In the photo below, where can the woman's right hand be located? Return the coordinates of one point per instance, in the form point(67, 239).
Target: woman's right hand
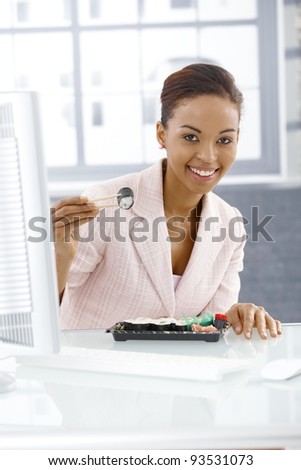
point(67, 216)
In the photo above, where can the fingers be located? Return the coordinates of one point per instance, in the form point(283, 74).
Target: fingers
point(244, 317)
point(75, 207)
point(73, 222)
point(60, 221)
point(76, 200)
point(69, 214)
point(264, 322)
point(274, 326)
point(260, 321)
point(279, 327)
point(73, 227)
point(248, 313)
point(234, 318)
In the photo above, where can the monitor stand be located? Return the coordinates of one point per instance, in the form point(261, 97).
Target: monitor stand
point(7, 383)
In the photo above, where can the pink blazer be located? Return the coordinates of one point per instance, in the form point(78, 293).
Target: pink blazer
point(123, 268)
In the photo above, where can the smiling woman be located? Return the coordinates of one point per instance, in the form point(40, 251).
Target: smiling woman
point(114, 275)
point(203, 133)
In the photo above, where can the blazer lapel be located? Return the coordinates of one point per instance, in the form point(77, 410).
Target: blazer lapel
point(204, 252)
point(154, 251)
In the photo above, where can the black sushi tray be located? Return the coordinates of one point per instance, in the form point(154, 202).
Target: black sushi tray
point(120, 332)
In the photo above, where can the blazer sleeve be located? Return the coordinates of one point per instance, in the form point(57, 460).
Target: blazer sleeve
point(227, 292)
point(93, 238)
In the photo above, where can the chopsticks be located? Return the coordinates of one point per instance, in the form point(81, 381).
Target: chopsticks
point(125, 199)
point(104, 198)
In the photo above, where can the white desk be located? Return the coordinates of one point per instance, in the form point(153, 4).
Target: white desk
point(66, 409)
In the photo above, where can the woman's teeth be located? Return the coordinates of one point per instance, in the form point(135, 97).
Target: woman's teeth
point(202, 172)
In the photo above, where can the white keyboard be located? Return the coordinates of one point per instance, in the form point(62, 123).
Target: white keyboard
point(139, 363)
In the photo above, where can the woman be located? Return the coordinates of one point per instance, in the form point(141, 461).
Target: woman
point(179, 249)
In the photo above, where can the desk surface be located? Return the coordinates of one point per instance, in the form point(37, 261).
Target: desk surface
point(54, 408)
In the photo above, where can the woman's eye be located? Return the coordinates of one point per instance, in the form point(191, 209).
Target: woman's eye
point(191, 138)
point(225, 140)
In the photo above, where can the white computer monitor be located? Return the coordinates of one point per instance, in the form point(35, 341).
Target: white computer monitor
point(28, 284)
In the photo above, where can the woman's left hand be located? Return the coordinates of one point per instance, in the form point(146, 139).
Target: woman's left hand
point(245, 317)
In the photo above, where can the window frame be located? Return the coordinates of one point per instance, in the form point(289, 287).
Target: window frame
point(271, 108)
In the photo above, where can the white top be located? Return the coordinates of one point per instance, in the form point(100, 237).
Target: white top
point(176, 280)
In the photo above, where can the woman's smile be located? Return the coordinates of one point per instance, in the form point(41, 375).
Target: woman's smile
point(202, 174)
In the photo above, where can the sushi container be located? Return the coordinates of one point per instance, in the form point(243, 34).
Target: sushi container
point(163, 329)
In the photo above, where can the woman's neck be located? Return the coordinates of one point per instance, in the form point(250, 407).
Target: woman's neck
point(179, 201)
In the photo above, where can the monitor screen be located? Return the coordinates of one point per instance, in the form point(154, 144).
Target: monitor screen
point(28, 283)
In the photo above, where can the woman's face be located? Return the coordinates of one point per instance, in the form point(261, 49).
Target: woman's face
point(201, 141)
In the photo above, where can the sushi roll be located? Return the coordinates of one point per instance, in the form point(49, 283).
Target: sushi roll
point(161, 324)
point(137, 324)
point(127, 325)
point(125, 198)
point(181, 325)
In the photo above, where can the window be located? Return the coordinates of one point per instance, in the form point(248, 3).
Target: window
point(182, 3)
point(99, 66)
point(95, 8)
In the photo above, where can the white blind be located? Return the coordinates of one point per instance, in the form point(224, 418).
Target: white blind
point(15, 288)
